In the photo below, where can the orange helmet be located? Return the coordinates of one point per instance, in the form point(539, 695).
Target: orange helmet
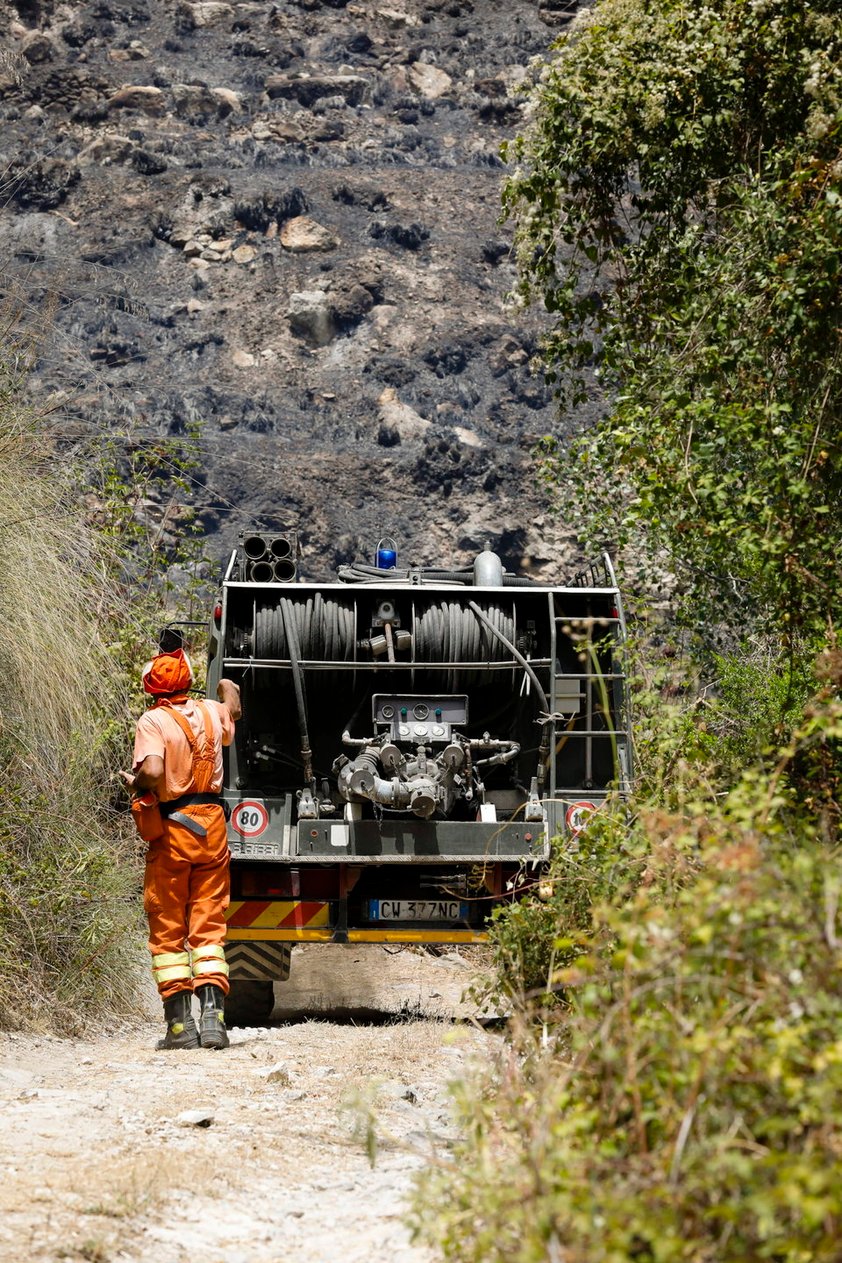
point(167, 673)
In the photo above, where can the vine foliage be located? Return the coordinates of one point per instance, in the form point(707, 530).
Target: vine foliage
point(678, 207)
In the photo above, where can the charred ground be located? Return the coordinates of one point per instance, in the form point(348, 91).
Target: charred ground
point(281, 222)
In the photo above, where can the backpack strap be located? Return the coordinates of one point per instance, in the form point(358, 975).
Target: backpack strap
point(204, 761)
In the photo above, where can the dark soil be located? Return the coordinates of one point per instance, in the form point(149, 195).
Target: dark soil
point(279, 223)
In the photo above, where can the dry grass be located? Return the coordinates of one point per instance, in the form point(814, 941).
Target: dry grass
point(66, 883)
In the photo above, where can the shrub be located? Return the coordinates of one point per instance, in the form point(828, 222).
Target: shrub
point(685, 1103)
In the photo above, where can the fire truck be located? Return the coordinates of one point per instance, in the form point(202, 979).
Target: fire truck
point(413, 744)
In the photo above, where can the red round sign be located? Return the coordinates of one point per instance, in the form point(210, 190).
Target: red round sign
point(249, 818)
point(578, 815)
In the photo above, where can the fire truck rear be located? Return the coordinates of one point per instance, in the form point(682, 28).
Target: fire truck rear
point(412, 743)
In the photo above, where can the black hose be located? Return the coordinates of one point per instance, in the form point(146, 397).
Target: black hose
point(298, 682)
point(514, 651)
point(544, 748)
point(360, 572)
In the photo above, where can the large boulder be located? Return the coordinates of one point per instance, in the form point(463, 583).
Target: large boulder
point(37, 47)
point(303, 235)
point(204, 13)
point(193, 100)
point(145, 98)
point(397, 422)
point(310, 316)
point(429, 81)
point(307, 89)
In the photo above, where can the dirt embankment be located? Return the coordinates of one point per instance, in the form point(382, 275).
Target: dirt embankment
point(114, 1152)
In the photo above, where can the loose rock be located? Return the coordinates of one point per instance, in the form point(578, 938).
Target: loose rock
point(310, 316)
point(279, 1073)
point(195, 1118)
point(146, 98)
point(302, 235)
point(429, 81)
point(244, 254)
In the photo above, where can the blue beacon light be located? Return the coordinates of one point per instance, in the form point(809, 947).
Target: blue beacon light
point(386, 554)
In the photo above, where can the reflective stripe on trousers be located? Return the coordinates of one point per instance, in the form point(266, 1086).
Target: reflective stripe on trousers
point(208, 960)
point(171, 966)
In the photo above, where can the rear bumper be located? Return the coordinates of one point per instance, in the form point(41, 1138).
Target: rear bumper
point(335, 935)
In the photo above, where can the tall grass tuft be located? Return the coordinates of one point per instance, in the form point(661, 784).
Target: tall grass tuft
point(68, 903)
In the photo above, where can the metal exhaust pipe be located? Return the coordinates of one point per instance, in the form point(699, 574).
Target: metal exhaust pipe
point(254, 547)
point(284, 570)
point(280, 548)
point(261, 572)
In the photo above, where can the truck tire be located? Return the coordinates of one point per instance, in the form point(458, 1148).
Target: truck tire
point(249, 1002)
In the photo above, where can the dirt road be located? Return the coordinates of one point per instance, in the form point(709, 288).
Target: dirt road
point(105, 1157)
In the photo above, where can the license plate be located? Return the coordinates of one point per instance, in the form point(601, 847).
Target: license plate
point(417, 910)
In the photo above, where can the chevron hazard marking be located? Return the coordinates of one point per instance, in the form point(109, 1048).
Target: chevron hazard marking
point(254, 914)
point(258, 960)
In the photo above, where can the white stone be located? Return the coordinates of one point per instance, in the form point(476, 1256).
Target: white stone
point(397, 17)
point(143, 97)
point(303, 235)
point(209, 12)
point(195, 1118)
point(227, 97)
point(399, 416)
point(429, 81)
point(243, 359)
point(244, 254)
point(467, 436)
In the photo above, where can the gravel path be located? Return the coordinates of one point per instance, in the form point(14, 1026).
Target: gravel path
point(102, 1162)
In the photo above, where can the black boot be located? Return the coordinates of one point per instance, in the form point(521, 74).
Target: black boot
point(212, 1032)
point(181, 1029)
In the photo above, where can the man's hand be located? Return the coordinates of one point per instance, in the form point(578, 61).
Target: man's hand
point(229, 694)
point(146, 777)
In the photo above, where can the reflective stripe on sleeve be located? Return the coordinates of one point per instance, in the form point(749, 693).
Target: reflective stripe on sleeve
point(213, 951)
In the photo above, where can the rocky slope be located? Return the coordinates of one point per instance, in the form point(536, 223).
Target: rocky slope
point(280, 221)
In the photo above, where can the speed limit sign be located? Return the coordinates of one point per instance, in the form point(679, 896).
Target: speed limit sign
point(250, 818)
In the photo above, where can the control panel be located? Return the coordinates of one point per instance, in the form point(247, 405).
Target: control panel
point(415, 718)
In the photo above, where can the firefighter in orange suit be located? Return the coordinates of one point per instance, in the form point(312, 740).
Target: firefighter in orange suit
point(178, 756)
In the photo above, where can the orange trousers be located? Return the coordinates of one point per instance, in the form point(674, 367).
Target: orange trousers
point(186, 892)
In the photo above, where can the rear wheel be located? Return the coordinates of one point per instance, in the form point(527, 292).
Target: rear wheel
point(249, 1002)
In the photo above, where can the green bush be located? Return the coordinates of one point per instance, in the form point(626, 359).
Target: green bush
point(685, 1104)
point(532, 938)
